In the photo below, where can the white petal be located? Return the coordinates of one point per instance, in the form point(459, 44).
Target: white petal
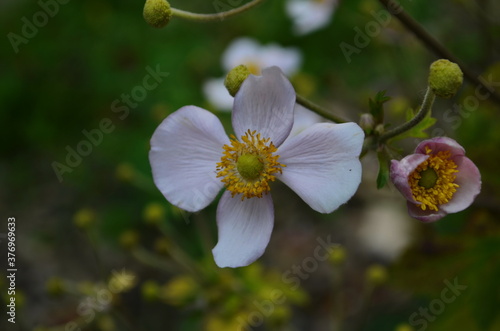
point(217, 94)
point(265, 104)
point(184, 151)
point(244, 229)
point(304, 118)
point(322, 164)
point(241, 51)
point(288, 59)
point(310, 15)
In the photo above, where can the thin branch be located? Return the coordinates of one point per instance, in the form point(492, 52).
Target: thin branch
point(395, 9)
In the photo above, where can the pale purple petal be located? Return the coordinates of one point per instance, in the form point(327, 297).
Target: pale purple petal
point(217, 94)
point(303, 119)
point(244, 229)
point(265, 104)
point(184, 151)
point(469, 181)
point(322, 164)
point(401, 170)
point(425, 216)
point(440, 144)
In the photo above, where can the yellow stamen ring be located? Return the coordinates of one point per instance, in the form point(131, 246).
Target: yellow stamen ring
point(433, 182)
point(247, 166)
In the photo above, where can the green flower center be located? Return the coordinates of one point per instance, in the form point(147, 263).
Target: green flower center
point(249, 166)
point(428, 178)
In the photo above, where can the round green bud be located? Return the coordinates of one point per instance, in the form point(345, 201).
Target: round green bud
point(235, 78)
point(157, 13)
point(445, 78)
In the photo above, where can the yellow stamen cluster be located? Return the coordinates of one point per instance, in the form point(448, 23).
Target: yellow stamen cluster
point(441, 189)
point(241, 183)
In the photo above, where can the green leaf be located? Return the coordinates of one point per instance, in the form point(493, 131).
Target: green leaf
point(377, 106)
point(418, 131)
point(383, 172)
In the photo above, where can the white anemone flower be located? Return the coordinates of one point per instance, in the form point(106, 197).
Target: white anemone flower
point(310, 15)
point(256, 57)
point(192, 159)
point(304, 118)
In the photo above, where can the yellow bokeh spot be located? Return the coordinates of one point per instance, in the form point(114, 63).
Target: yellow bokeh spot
point(376, 274)
point(179, 290)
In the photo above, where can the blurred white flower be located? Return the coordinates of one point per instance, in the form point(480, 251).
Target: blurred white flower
point(304, 118)
point(386, 230)
point(256, 57)
point(310, 15)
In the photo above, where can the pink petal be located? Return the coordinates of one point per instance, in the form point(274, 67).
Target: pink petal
point(401, 170)
point(265, 104)
point(322, 164)
point(440, 144)
point(184, 151)
point(425, 216)
point(469, 181)
point(244, 229)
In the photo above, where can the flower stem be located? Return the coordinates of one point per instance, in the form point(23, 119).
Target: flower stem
point(397, 10)
point(214, 17)
point(319, 110)
point(422, 112)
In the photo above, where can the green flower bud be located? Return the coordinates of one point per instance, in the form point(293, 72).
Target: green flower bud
point(157, 13)
point(445, 78)
point(235, 78)
point(379, 129)
point(367, 122)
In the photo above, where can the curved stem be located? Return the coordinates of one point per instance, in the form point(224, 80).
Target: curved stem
point(397, 10)
point(422, 112)
point(319, 110)
point(214, 17)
